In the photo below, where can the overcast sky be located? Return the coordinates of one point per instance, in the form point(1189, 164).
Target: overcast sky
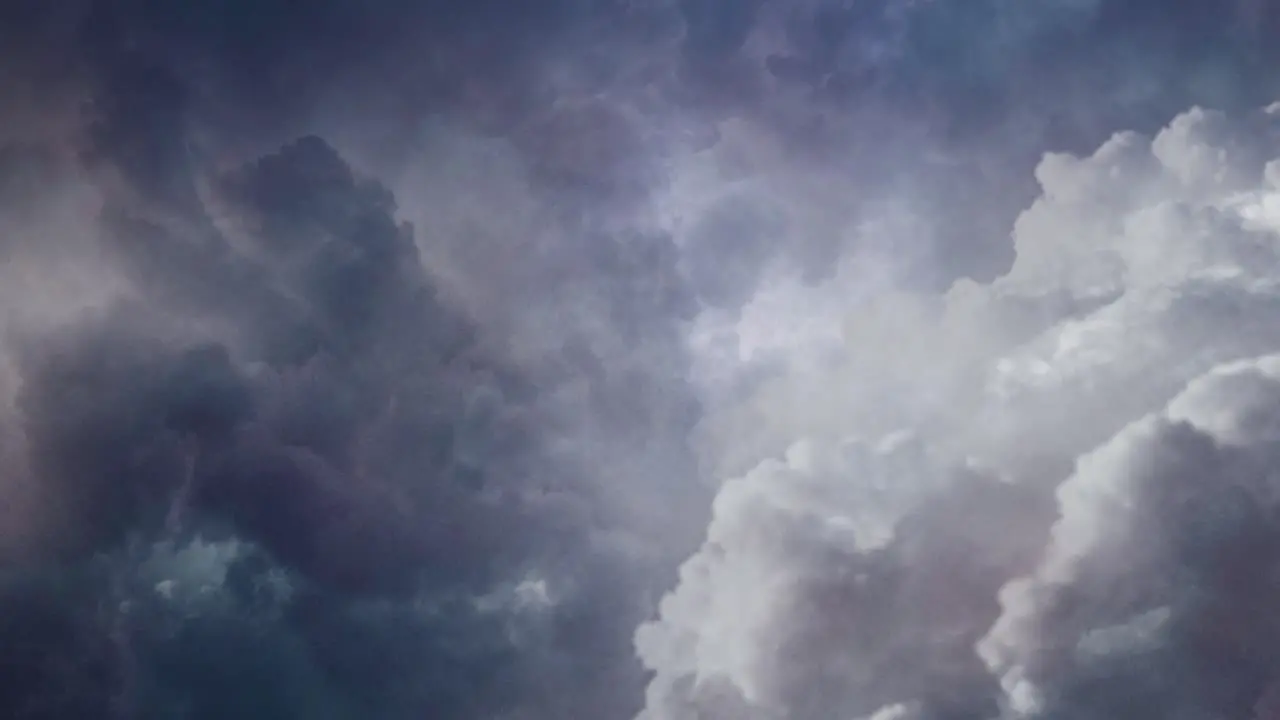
point(638, 359)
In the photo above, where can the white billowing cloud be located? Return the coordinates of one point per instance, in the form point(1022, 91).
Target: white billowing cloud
point(780, 528)
point(1120, 377)
point(1163, 532)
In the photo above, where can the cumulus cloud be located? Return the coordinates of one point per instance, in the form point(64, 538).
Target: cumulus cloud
point(1149, 593)
point(383, 361)
point(1118, 376)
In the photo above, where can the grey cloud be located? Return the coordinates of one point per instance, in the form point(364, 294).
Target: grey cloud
point(416, 425)
point(285, 370)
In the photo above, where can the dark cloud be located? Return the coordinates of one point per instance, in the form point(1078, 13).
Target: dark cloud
point(445, 470)
point(285, 371)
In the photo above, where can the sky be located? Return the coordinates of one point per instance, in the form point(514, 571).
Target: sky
point(639, 360)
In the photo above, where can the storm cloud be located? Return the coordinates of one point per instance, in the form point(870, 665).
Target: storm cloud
point(599, 359)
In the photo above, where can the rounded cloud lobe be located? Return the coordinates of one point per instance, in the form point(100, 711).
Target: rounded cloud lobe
point(591, 361)
point(1119, 377)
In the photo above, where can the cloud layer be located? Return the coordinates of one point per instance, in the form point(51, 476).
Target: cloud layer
point(398, 361)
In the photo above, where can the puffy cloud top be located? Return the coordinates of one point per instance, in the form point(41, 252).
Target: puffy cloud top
point(384, 360)
point(1120, 376)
